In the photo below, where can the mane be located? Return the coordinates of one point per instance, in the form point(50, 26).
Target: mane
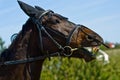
point(27, 23)
point(8, 54)
point(20, 35)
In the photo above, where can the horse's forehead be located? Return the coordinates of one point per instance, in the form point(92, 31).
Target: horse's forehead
point(56, 16)
point(56, 22)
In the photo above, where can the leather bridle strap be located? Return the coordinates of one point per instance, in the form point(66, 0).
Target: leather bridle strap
point(41, 29)
point(93, 37)
point(27, 60)
point(68, 40)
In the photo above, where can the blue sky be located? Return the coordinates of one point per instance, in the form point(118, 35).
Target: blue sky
point(102, 16)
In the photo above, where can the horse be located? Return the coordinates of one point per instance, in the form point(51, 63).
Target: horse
point(16, 51)
point(54, 35)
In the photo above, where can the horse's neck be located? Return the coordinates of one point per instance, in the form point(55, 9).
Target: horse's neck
point(20, 44)
point(15, 72)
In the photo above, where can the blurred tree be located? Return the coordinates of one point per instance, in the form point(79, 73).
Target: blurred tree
point(2, 47)
point(117, 45)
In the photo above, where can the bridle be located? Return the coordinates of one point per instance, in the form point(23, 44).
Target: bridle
point(66, 50)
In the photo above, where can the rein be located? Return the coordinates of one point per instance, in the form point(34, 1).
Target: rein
point(27, 60)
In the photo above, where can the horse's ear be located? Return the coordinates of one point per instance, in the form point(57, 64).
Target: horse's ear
point(39, 8)
point(29, 10)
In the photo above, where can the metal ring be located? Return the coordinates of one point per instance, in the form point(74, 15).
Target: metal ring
point(67, 49)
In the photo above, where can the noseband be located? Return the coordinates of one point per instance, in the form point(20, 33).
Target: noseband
point(66, 50)
point(94, 38)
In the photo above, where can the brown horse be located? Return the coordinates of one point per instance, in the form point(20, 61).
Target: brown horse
point(53, 33)
point(17, 51)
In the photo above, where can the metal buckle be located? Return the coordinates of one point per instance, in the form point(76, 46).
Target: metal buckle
point(68, 51)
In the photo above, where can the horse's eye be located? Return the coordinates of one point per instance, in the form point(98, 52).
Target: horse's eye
point(89, 38)
point(55, 21)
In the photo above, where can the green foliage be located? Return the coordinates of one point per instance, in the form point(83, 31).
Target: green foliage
point(77, 69)
point(2, 47)
point(117, 45)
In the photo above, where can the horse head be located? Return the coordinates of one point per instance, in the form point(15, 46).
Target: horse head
point(51, 31)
